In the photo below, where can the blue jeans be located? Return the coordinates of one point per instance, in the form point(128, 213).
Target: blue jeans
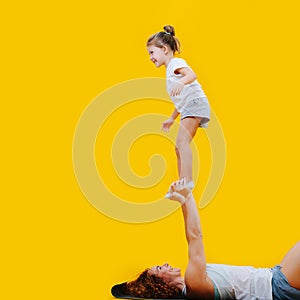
point(281, 288)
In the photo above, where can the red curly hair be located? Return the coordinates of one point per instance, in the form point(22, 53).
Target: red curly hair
point(150, 286)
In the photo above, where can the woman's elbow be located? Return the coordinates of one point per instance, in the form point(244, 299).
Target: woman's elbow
point(195, 235)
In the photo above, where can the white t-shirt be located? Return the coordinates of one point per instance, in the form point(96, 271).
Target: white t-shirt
point(189, 92)
point(241, 282)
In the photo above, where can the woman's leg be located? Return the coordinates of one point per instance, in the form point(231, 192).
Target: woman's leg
point(291, 266)
point(186, 132)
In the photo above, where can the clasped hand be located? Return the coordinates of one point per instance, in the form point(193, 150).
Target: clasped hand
point(179, 191)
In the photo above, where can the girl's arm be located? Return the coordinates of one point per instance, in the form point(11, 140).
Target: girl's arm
point(197, 282)
point(188, 77)
point(168, 123)
point(174, 115)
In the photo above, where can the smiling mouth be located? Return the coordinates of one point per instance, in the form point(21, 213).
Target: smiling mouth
point(174, 269)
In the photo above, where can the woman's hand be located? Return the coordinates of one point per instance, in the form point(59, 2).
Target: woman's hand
point(179, 191)
point(167, 124)
point(176, 89)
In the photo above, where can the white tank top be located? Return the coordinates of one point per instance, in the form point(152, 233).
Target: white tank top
point(239, 282)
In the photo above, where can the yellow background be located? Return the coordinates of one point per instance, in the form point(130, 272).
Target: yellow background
point(57, 56)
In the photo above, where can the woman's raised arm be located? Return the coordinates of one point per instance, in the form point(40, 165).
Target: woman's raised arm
point(196, 280)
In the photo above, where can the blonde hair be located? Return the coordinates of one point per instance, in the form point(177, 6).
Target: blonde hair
point(165, 38)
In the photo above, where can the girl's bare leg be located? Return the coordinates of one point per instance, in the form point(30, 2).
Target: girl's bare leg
point(187, 130)
point(291, 266)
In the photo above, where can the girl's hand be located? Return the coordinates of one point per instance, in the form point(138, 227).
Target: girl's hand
point(179, 191)
point(176, 89)
point(167, 124)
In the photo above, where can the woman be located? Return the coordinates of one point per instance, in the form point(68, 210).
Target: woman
point(212, 281)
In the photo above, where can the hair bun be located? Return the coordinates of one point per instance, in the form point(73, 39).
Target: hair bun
point(169, 29)
point(165, 38)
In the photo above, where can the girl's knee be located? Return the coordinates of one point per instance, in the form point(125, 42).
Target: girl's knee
point(181, 143)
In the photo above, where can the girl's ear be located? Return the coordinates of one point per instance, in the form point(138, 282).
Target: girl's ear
point(166, 49)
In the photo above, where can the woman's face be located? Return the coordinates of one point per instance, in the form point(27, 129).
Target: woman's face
point(166, 272)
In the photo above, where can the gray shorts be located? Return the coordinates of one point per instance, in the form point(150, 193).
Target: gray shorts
point(281, 288)
point(198, 107)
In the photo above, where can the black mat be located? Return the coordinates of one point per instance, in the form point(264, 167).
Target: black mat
point(117, 292)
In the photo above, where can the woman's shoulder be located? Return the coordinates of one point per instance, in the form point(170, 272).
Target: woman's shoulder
point(203, 291)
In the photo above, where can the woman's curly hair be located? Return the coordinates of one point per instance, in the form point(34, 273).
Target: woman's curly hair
point(150, 286)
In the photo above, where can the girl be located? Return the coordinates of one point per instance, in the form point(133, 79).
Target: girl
point(186, 93)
